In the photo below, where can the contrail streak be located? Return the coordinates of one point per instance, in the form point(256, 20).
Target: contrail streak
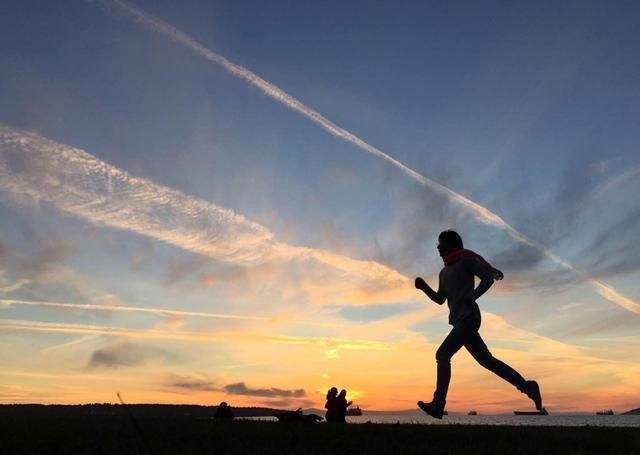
point(83, 376)
point(482, 214)
point(53, 327)
point(156, 311)
point(131, 309)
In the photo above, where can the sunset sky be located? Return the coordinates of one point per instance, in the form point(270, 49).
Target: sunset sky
point(213, 200)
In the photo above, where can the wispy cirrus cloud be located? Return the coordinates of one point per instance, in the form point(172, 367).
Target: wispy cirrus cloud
point(616, 181)
point(34, 169)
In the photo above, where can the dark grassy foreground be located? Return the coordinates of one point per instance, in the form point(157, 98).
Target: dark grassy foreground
point(177, 435)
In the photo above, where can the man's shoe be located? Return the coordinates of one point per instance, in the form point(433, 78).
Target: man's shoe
point(432, 409)
point(533, 392)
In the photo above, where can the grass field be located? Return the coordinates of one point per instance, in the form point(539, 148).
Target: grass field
point(185, 435)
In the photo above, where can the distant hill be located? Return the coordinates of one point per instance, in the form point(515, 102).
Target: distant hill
point(633, 412)
point(146, 410)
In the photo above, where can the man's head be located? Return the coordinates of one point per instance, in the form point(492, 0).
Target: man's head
point(448, 240)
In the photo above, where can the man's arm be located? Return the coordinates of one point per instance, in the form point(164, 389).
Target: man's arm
point(437, 296)
point(486, 279)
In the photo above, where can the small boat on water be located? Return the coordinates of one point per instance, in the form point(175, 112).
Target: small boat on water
point(472, 413)
point(541, 412)
point(354, 411)
point(605, 413)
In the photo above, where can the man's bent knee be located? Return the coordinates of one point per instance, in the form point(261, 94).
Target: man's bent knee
point(443, 356)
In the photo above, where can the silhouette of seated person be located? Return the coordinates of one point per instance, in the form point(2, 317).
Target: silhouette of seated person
point(224, 411)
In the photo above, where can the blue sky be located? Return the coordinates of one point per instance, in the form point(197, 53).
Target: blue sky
point(528, 109)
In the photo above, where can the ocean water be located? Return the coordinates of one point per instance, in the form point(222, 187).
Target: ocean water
point(563, 420)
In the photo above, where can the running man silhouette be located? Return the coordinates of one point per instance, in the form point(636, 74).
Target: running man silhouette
point(457, 287)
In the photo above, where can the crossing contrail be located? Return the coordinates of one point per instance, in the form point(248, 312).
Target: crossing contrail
point(482, 214)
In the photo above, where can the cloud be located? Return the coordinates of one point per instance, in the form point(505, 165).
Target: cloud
point(36, 170)
point(615, 250)
point(40, 270)
point(598, 329)
point(417, 217)
point(558, 366)
point(519, 258)
point(190, 384)
point(614, 182)
point(7, 287)
point(240, 388)
point(194, 336)
point(123, 353)
point(179, 269)
point(171, 319)
point(118, 354)
point(479, 212)
point(40, 267)
point(580, 187)
point(78, 341)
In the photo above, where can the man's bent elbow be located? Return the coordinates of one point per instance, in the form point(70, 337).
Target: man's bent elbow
point(488, 282)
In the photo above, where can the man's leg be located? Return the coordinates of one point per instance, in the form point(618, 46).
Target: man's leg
point(458, 337)
point(478, 349)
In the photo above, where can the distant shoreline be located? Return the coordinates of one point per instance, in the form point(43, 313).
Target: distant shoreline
point(241, 411)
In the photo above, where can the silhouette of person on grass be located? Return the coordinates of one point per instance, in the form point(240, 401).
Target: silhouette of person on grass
point(456, 286)
point(330, 405)
point(336, 405)
point(223, 411)
point(341, 406)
